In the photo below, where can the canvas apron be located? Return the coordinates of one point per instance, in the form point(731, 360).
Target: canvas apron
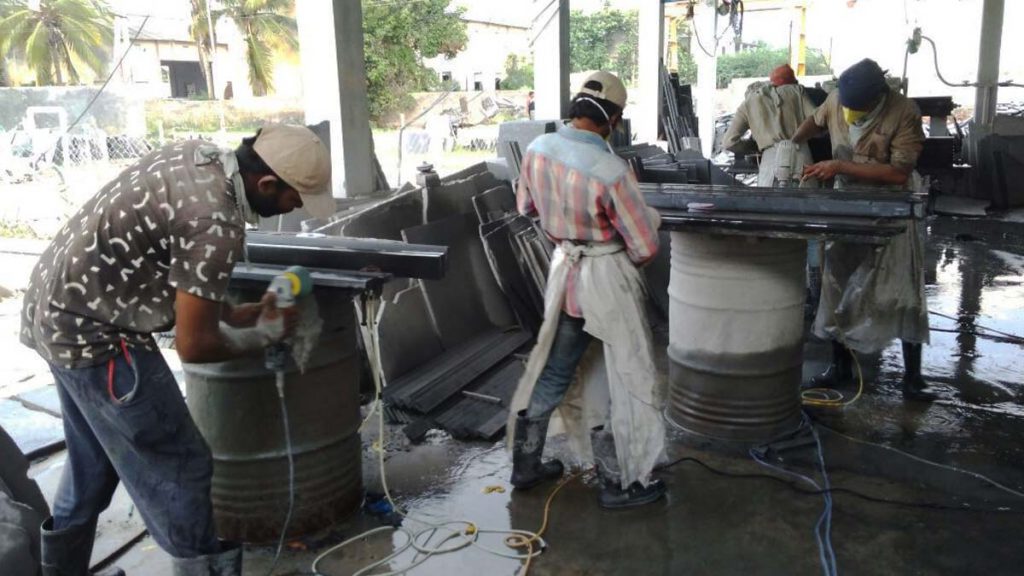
point(612, 299)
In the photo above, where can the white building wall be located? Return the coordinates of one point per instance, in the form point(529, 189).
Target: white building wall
point(483, 59)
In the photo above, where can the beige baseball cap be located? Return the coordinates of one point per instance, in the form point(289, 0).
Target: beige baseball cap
point(612, 89)
point(298, 156)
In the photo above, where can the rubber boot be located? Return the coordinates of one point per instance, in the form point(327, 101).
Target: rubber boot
point(227, 562)
point(914, 385)
point(527, 468)
point(67, 552)
point(612, 496)
point(838, 372)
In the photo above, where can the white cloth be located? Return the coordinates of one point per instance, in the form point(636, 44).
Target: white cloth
point(612, 298)
point(787, 154)
point(228, 160)
point(873, 294)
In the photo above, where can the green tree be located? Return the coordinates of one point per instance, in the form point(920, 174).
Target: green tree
point(604, 40)
point(518, 72)
point(685, 63)
point(57, 37)
point(397, 37)
point(268, 27)
point(200, 31)
point(759, 60)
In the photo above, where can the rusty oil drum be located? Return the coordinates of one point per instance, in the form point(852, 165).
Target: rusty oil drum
point(236, 407)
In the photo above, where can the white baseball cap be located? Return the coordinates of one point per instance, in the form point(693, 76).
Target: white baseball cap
point(298, 156)
point(611, 88)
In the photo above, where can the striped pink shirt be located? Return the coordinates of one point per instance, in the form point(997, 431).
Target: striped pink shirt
point(582, 192)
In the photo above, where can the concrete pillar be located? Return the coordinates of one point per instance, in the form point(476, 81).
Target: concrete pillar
point(550, 32)
point(707, 77)
point(651, 33)
point(988, 64)
point(334, 88)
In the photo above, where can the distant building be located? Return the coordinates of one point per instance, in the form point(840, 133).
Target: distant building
point(164, 61)
point(495, 31)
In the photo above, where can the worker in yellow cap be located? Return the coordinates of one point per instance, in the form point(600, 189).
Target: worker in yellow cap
point(871, 295)
point(151, 251)
point(772, 113)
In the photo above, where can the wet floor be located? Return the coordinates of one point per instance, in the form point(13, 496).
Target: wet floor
point(716, 524)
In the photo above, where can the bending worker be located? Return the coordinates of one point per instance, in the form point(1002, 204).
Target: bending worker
point(772, 114)
point(589, 203)
point(871, 295)
point(151, 251)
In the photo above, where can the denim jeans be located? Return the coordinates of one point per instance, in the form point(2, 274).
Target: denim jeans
point(554, 380)
point(135, 429)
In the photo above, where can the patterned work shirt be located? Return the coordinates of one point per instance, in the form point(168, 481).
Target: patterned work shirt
point(169, 222)
point(584, 193)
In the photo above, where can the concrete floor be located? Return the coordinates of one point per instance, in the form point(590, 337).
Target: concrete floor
point(711, 524)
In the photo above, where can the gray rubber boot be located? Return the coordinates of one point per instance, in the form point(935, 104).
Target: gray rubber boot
point(612, 495)
point(67, 552)
point(227, 562)
point(528, 470)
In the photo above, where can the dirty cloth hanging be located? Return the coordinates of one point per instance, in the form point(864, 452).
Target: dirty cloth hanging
point(871, 295)
point(612, 298)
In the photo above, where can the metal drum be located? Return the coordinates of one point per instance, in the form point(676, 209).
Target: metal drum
point(236, 407)
point(736, 334)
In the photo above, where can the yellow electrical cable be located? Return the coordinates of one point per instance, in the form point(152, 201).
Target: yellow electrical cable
point(837, 401)
point(519, 541)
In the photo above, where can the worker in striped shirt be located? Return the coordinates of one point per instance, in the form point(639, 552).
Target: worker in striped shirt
point(588, 202)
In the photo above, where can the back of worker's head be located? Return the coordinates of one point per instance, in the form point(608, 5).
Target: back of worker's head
point(862, 85)
point(601, 98)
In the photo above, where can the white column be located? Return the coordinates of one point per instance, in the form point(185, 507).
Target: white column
point(550, 32)
point(651, 32)
point(707, 77)
point(988, 64)
point(334, 88)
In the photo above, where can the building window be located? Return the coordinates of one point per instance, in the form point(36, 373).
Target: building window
point(165, 74)
point(446, 76)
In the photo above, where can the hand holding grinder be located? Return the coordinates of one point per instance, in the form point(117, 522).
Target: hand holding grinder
point(286, 287)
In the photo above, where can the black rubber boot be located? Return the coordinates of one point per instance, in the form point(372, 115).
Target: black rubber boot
point(67, 552)
point(612, 496)
point(914, 385)
point(527, 468)
point(227, 562)
point(838, 372)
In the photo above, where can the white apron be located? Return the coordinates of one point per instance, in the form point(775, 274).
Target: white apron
point(612, 299)
point(784, 153)
point(871, 295)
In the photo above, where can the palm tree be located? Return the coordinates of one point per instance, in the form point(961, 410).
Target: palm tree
point(200, 31)
point(57, 37)
point(268, 26)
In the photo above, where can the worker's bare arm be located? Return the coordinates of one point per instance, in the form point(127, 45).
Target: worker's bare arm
point(872, 173)
point(241, 315)
point(809, 129)
point(202, 336)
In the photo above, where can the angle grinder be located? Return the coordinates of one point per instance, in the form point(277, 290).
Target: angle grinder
point(294, 282)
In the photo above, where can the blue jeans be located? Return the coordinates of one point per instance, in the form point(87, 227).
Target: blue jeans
point(566, 351)
point(135, 429)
